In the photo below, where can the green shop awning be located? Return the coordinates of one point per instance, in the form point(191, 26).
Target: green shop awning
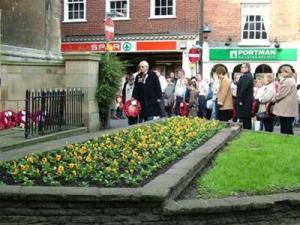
point(253, 54)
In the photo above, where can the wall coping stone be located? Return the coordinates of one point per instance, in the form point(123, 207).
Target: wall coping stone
point(81, 56)
point(229, 204)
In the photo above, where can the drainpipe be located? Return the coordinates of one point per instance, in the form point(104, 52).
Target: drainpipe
point(201, 35)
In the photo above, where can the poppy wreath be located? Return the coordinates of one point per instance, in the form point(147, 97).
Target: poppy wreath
point(132, 108)
point(255, 106)
point(8, 119)
point(183, 109)
point(21, 118)
point(269, 109)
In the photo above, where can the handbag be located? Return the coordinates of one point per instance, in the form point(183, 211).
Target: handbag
point(261, 115)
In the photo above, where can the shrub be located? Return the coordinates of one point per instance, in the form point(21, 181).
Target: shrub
point(111, 71)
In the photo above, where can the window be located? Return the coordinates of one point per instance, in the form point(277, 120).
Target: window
point(117, 9)
point(254, 28)
point(74, 10)
point(255, 24)
point(163, 8)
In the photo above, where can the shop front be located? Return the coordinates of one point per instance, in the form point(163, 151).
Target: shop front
point(170, 53)
point(262, 60)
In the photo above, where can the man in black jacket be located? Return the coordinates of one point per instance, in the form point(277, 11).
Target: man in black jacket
point(245, 96)
point(148, 92)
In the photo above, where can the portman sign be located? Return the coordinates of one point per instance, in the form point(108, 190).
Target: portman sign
point(252, 54)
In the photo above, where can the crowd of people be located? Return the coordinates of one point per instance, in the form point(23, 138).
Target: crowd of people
point(243, 99)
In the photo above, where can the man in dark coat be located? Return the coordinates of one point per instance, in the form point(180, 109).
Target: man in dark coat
point(245, 96)
point(148, 92)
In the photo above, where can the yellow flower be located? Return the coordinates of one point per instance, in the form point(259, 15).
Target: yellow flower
point(88, 158)
point(60, 170)
point(57, 157)
point(16, 171)
point(30, 160)
point(71, 165)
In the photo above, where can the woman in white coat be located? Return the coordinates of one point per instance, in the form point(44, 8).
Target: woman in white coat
point(286, 101)
point(267, 93)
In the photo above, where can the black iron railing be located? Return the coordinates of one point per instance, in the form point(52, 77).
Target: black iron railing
point(50, 111)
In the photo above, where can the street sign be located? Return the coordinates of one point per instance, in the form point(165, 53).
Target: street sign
point(109, 29)
point(194, 55)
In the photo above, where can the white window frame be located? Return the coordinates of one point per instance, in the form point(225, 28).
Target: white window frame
point(107, 10)
point(66, 13)
point(253, 7)
point(152, 11)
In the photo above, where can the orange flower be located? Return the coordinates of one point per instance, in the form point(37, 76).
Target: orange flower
point(82, 150)
point(57, 157)
point(24, 167)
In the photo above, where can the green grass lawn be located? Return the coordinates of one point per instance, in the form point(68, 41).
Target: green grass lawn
point(254, 163)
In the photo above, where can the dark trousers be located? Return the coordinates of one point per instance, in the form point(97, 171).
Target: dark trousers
point(132, 120)
point(247, 123)
point(208, 114)
point(224, 115)
point(202, 106)
point(286, 125)
point(268, 124)
point(162, 112)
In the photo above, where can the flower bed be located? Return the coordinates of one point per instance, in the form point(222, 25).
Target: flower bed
point(124, 158)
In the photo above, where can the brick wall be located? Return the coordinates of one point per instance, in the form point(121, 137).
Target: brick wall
point(187, 13)
point(224, 17)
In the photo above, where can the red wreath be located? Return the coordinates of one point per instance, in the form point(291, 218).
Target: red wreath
point(132, 108)
point(269, 109)
point(183, 109)
point(255, 106)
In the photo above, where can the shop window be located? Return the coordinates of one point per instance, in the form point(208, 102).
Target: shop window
point(74, 10)
point(117, 9)
point(255, 24)
point(163, 9)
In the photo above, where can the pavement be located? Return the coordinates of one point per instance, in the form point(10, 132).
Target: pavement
point(17, 134)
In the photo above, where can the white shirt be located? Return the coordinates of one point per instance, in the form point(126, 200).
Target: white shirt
point(180, 87)
point(203, 88)
point(163, 83)
point(128, 91)
point(298, 93)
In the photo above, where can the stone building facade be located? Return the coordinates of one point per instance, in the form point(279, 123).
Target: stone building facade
point(31, 57)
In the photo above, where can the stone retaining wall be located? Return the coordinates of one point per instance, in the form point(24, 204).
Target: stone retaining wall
point(152, 204)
